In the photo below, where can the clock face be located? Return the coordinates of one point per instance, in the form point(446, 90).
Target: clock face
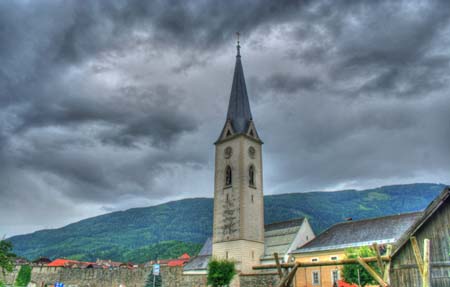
point(228, 152)
point(251, 152)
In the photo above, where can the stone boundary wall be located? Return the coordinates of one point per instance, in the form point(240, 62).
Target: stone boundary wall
point(259, 280)
point(171, 277)
point(76, 277)
point(174, 277)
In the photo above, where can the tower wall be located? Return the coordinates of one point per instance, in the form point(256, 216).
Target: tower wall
point(238, 231)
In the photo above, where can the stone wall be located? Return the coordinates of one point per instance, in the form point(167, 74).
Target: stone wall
point(174, 277)
point(259, 280)
point(75, 277)
point(171, 277)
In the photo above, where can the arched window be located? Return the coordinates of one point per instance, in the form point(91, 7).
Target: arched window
point(228, 177)
point(251, 175)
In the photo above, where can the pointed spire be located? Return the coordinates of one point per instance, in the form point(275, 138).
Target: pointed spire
point(239, 107)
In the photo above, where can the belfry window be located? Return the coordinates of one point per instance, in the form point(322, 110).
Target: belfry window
point(228, 176)
point(251, 175)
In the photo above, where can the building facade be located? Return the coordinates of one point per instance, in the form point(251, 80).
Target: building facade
point(332, 245)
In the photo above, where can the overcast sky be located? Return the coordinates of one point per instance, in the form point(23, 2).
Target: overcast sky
point(108, 105)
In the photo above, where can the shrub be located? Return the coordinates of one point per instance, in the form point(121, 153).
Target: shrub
point(220, 272)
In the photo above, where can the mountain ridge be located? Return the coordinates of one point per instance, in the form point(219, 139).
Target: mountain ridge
point(161, 230)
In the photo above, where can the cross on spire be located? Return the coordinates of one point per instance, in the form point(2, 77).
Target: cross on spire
point(238, 46)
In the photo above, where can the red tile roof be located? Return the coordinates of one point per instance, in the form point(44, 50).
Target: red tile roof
point(62, 262)
point(183, 259)
point(176, 262)
point(185, 256)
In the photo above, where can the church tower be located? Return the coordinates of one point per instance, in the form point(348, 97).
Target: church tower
point(238, 232)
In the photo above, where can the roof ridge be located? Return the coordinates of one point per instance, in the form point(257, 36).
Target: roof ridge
point(285, 221)
point(376, 218)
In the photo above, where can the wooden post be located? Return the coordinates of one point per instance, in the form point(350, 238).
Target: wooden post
point(426, 278)
point(372, 272)
point(288, 278)
point(277, 262)
point(387, 266)
point(379, 261)
point(423, 264)
point(416, 250)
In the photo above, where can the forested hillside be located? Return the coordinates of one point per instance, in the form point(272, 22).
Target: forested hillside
point(167, 230)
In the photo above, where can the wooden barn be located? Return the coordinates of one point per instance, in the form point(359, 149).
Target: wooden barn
point(409, 267)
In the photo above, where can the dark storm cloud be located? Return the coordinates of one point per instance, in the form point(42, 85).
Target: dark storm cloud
point(283, 84)
point(106, 105)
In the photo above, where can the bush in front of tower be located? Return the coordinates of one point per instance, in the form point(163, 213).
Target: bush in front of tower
point(221, 272)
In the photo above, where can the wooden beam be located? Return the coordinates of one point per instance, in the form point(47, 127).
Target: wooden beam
point(322, 263)
point(372, 272)
point(379, 261)
point(387, 266)
point(426, 278)
point(277, 262)
point(291, 276)
point(288, 278)
point(416, 250)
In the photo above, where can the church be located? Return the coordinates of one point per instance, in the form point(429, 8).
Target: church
point(239, 233)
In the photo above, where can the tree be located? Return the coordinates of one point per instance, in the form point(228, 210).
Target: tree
point(6, 256)
point(157, 280)
point(350, 271)
point(220, 272)
point(24, 276)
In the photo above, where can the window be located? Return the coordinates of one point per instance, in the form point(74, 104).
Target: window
point(334, 276)
point(228, 199)
point(226, 254)
point(228, 178)
point(315, 278)
point(251, 175)
point(334, 257)
point(315, 259)
point(252, 198)
point(253, 254)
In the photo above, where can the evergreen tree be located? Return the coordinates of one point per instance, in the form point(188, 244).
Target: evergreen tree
point(157, 280)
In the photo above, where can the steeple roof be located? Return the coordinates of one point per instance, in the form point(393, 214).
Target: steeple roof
point(239, 117)
point(239, 113)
